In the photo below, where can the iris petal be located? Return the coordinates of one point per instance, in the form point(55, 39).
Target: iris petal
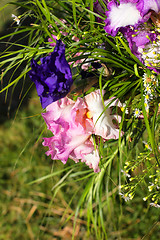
point(53, 78)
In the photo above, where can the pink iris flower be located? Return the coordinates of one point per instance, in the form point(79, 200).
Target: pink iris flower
point(73, 123)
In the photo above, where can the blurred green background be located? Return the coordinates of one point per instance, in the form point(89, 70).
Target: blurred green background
point(34, 211)
point(6, 14)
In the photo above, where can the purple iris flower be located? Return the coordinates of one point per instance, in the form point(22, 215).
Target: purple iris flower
point(128, 13)
point(53, 78)
point(129, 17)
point(138, 39)
point(151, 5)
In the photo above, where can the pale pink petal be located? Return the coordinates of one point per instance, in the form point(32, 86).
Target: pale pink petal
point(86, 152)
point(112, 102)
point(62, 145)
point(92, 160)
point(102, 118)
point(75, 142)
point(66, 119)
point(54, 111)
point(83, 149)
point(117, 118)
point(49, 142)
point(72, 124)
point(79, 114)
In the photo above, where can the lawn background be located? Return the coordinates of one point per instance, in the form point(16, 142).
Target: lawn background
point(35, 211)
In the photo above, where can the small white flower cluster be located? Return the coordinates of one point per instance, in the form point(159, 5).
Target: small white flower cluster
point(126, 173)
point(152, 185)
point(151, 54)
point(124, 108)
point(136, 113)
point(150, 83)
point(154, 205)
point(125, 197)
point(16, 19)
point(147, 145)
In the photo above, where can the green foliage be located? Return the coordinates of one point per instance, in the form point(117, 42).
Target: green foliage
point(36, 191)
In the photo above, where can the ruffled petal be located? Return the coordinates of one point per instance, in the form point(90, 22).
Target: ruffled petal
point(121, 15)
point(81, 150)
point(79, 114)
point(74, 122)
point(61, 146)
point(58, 114)
point(66, 119)
point(53, 78)
point(102, 118)
point(139, 38)
point(92, 160)
point(151, 5)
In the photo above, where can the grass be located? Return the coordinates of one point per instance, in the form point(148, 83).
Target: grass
point(6, 13)
point(33, 212)
point(23, 207)
point(46, 209)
